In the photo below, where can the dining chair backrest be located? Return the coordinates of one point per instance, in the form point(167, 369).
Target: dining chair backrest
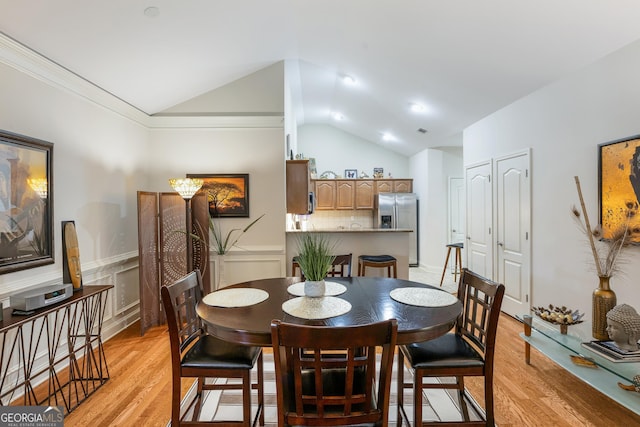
point(180, 300)
point(481, 302)
point(327, 375)
point(341, 267)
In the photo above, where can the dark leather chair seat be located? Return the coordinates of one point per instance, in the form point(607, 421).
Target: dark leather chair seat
point(448, 350)
point(213, 353)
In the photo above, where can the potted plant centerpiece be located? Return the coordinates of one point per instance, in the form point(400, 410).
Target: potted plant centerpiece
point(315, 259)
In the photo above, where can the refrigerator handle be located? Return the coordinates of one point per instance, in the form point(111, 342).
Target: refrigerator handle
point(395, 214)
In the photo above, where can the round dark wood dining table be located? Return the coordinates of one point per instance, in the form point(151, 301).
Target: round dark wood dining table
point(370, 302)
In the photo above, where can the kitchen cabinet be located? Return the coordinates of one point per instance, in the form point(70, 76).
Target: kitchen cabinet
point(325, 190)
point(349, 194)
point(364, 194)
point(402, 186)
point(384, 186)
point(394, 185)
point(298, 186)
point(345, 194)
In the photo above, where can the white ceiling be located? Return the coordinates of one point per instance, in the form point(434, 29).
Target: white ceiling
point(463, 59)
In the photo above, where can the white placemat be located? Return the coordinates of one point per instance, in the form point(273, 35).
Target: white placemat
point(423, 297)
point(236, 297)
point(316, 308)
point(331, 289)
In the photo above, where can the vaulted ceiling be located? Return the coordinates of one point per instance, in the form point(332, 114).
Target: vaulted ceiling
point(460, 59)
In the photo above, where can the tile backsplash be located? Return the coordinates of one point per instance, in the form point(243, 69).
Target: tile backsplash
point(334, 220)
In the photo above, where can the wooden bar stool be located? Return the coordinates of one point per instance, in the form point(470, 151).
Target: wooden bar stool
point(458, 266)
point(377, 261)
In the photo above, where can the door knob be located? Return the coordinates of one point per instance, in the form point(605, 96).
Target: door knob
point(499, 243)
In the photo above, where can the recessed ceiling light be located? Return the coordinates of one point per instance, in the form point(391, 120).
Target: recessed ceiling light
point(348, 80)
point(386, 136)
point(417, 108)
point(152, 11)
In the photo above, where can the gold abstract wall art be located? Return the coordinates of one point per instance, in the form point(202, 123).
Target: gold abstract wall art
point(619, 189)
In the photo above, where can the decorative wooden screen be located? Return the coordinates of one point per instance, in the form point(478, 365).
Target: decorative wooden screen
point(150, 311)
point(162, 244)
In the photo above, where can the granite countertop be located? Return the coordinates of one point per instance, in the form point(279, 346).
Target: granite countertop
point(354, 230)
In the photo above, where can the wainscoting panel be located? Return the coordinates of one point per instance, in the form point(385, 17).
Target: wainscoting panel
point(230, 269)
point(126, 289)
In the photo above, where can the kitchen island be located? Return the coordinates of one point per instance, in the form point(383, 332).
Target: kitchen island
point(362, 241)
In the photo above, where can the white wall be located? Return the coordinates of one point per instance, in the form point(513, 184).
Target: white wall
point(336, 151)
point(258, 152)
point(563, 124)
point(431, 170)
point(99, 161)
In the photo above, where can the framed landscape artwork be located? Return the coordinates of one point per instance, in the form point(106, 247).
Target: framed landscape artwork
point(228, 195)
point(26, 211)
point(619, 186)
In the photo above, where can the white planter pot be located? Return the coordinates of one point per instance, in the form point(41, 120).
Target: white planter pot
point(314, 289)
point(219, 272)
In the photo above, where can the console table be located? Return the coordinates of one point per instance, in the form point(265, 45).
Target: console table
point(547, 339)
point(69, 335)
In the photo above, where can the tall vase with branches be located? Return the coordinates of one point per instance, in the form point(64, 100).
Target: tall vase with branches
point(221, 242)
point(607, 257)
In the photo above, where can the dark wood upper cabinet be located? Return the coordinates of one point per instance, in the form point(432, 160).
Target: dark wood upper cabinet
point(298, 186)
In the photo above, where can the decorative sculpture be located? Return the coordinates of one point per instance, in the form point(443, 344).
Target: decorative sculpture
point(623, 326)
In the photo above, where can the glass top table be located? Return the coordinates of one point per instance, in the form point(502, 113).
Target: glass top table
point(548, 339)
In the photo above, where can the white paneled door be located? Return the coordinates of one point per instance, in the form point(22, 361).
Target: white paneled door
point(512, 234)
point(478, 244)
point(456, 210)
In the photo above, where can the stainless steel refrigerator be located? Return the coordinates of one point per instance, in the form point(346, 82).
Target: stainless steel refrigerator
point(399, 210)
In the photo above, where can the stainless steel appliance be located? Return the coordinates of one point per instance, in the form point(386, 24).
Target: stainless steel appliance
point(399, 210)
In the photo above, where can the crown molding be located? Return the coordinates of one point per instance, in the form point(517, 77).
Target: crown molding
point(208, 121)
point(25, 60)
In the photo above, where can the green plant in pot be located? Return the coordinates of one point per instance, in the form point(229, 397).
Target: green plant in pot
point(315, 257)
point(222, 243)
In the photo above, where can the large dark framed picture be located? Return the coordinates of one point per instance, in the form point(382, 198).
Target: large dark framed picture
point(26, 208)
point(619, 186)
point(228, 195)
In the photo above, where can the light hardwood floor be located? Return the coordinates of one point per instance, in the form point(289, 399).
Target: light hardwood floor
point(543, 394)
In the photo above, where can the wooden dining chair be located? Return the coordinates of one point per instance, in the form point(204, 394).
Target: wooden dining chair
point(326, 376)
point(341, 267)
point(467, 351)
point(196, 354)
